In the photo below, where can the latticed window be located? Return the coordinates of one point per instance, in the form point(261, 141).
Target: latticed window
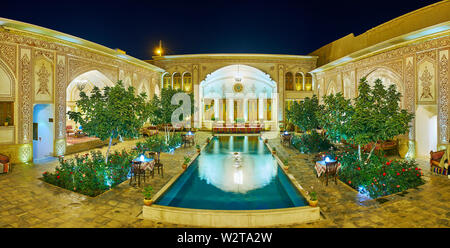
point(289, 81)
point(177, 81)
point(166, 81)
point(187, 82)
point(298, 81)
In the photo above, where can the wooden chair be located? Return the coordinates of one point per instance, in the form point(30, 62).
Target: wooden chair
point(331, 170)
point(137, 171)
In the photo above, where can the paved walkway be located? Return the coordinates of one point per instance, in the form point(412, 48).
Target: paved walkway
point(26, 201)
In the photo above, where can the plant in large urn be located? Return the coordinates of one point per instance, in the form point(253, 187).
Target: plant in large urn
point(148, 195)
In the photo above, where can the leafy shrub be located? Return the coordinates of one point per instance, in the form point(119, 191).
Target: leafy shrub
point(379, 176)
point(90, 175)
point(311, 143)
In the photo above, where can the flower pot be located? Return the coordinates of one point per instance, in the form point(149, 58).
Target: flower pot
point(313, 203)
point(286, 168)
point(6, 124)
point(147, 202)
point(274, 152)
point(184, 166)
point(198, 150)
point(265, 141)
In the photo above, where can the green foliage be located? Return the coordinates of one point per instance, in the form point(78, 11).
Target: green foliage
point(311, 143)
point(90, 175)
point(379, 176)
point(158, 143)
point(335, 116)
point(187, 160)
point(304, 114)
point(147, 192)
point(375, 115)
point(161, 107)
point(112, 113)
point(313, 196)
point(197, 146)
point(8, 119)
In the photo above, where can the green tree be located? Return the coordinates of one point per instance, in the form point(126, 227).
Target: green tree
point(115, 112)
point(304, 114)
point(374, 116)
point(335, 116)
point(161, 109)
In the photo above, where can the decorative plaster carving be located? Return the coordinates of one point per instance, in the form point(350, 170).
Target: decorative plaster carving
point(26, 101)
point(443, 107)
point(60, 98)
point(43, 78)
point(410, 92)
point(8, 55)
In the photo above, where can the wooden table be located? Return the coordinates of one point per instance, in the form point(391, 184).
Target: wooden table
point(141, 165)
point(321, 167)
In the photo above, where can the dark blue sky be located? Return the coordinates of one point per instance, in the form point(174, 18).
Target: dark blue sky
point(185, 27)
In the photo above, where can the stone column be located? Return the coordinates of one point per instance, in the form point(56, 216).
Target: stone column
point(230, 108)
point(216, 108)
point(261, 108)
point(195, 85)
point(245, 110)
point(280, 90)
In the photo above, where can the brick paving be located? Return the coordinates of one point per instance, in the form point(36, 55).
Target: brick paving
point(26, 201)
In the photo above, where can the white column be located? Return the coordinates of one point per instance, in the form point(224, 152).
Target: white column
point(261, 108)
point(216, 109)
point(245, 109)
point(230, 108)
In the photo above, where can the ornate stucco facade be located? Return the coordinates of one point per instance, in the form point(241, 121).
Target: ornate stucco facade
point(416, 62)
point(41, 66)
point(36, 67)
point(207, 66)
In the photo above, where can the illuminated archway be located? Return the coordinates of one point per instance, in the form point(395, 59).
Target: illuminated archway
point(238, 93)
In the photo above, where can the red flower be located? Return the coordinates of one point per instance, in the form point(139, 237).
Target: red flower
point(417, 168)
point(335, 158)
point(398, 186)
point(384, 184)
point(384, 173)
point(70, 173)
point(374, 179)
point(388, 163)
point(57, 177)
point(359, 168)
point(349, 182)
point(418, 175)
point(398, 174)
point(403, 169)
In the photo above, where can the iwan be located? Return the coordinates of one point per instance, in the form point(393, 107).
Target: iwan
point(197, 238)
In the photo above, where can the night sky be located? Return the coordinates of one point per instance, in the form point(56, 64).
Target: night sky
point(189, 27)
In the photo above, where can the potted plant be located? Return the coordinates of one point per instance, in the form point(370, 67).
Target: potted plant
point(286, 166)
point(186, 162)
point(198, 148)
point(274, 150)
point(148, 195)
point(208, 139)
point(266, 140)
point(313, 199)
point(7, 120)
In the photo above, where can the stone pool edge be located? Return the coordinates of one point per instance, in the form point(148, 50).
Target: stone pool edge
point(231, 218)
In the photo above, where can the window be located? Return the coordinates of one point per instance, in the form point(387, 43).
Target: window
point(308, 82)
point(187, 82)
point(177, 81)
point(298, 82)
point(289, 81)
point(7, 110)
point(167, 81)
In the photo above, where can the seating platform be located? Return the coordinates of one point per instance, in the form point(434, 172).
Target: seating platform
point(238, 128)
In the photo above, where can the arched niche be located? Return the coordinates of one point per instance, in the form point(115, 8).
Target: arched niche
point(166, 81)
point(388, 78)
point(187, 82)
point(6, 83)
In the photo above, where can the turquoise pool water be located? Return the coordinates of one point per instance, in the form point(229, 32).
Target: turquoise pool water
point(233, 173)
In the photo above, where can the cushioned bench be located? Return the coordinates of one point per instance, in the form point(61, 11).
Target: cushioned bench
point(435, 160)
point(4, 164)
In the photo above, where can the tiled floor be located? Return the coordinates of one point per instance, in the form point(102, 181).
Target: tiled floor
point(26, 201)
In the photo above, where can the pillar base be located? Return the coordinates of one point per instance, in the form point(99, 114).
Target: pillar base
point(60, 147)
point(411, 154)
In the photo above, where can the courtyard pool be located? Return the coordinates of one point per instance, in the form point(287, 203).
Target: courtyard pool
point(233, 173)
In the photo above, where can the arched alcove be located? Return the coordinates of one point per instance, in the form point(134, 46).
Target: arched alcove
point(388, 78)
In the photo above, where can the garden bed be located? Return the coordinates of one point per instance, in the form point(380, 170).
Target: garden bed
point(90, 175)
